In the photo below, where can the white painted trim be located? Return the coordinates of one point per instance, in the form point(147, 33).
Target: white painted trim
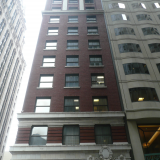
point(54, 144)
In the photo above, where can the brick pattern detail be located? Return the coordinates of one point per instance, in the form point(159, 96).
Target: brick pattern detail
point(23, 135)
point(87, 135)
point(54, 135)
point(119, 134)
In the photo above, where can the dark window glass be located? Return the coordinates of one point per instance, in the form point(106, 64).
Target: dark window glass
point(93, 44)
point(103, 134)
point(70, 135)
point(150, 30)
point(89, 8)
point(73, 8)
point(96, 60)
point(72, 30)
point(91, 19)
point(100, 104)
point(123, 31)
point(135, 68)
point(72, 44)
point(72, 61)
point(38, 136)
point(71, 104)
point(92, 30)
point(129, 47)
point(118, 17)
point(88, 1)
point(158, 66)
point(143, 94)
point(154, 47)
point(73, 19)
point(73, 1)
point(116, 5)
point(97, 80)
point(138, 5)
point(159, 16)
point(56, 8)
point(142, 17)
point(72, 80)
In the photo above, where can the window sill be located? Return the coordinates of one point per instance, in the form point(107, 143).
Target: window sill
point(50, 49)
point(53, 22)
point(72, 49)
point(96, 66)
point(71, 87)
point(72, 34)
point(51, 35)
point(72, 22)
point(72, 66)
point(91, 22)
point(73, 3)
point(46, 67)
point(94, 48)
point(98, 86)
point(88, 3)
point(44, 88)
point(92, 34)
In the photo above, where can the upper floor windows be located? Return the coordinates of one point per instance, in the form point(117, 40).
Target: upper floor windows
point(73, 30)
point(154, 47)
point(158, 66)
point(158, 16)
point(72, 44)
point(92, 30)
point(17, 26)
point(43, 105)
point(135, 68)
point(54, 19)
point(20, 34)
point(91, 19)
point(90, 8)
point(73, 8)
point(73, 19)
point(138, 5)
point(95, 60)
point(156, 5)
point(116, 5)
point(73, 1)
point(11, 6)
point(150, 30)
point(72, 80)
point(93, 44)
point(14, 16)
point(72, 60)
point(2, 25)
point(89, 1)
point(143, 94)
point(123, 31)
point(118, 17)
point(56, 8)
point(51, 44)
point(97, 80)
point(38, 136)
point(53, 31)
point(57, 1)
point(100, 104)
point(129, 47)
point(49, 61)
point(46, 81)
point(71, 104)
point(142, 17)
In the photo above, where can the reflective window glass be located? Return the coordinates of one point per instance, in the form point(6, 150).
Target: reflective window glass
point(142, 17)
point(123, 31)
point(154, 47)
point(100, 104)
point(71, 104)
point(95, 60)
point(150, 30)
point(93, 44)
point(97, 80)
point(72, 61)
point(72, 80)
point(129, 47)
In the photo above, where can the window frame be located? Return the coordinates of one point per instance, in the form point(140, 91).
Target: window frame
point(57, 8)
point(92, 33)
point(96, 56)
point(48, 62)
point(57, 2)
point(91, 16)
point(92, 47)
point(155, 51)
point(73, 41)
point(45, 75)
point(53, 21)
point(72, 81)
point(72, 33)
point(50, 47)
point(100, 97)
point(150, 29)
point(97, 74)
point(73, 2)
point(72, 17)
point(89, 2)
point(146, 15)
point(52, 28)
point(72, 56)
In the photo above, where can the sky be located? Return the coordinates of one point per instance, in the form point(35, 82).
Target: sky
point(33, 16)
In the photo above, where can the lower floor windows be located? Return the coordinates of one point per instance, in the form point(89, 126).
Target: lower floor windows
point(71, 104)
point(72, 80)
point(97, 80)
point(100, 104)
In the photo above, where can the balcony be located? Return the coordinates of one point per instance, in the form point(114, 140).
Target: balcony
point(153, 156)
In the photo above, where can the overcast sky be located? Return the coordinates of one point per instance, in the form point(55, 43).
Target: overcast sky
point(33, 16)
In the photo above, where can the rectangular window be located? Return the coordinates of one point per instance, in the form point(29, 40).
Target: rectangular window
point(49, 61)
point(118, 17)
point(72, 80)
point(90, 8)
point(93, 44)
point(158, 66)
point(70, 135)
point(73, 19)
point(141, 17)
point(117, 5)
point(73, 1)
point(103, 134)
point(51, 44)
point(72, 44)
point(56, 8)
point(72, 30)
point(100, 104)
point(54, 19)
point(91, 19)
point(53, 31)
point(97, 80)
point(72, 60)
point(57, 1)
point(96, 60)
point(73, 8)
point(92, 30)
point(71, 104)
point(123, 31)
point(154, 47)
point(156, 5)
point(38, 136)
point(46, 81)
point(149, 31)
point(88, 1)
point(129, 47)
point(43, 105)
point(138, 5)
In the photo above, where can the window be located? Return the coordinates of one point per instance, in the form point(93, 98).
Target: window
point(72, 44)
point(96, 60)
point(129, 47)
point(73, 8)
point(123, 31)
point(135, 68)
point(143, 94)
point(54, 19)
point(19, 34)
point(103, 134)
point(56, 8)
point(97, 80)
point(38, 136)
point(90, 8)
point(49, 61)
point(2, 25)
point(70, 135)
point(57, 1)
point(46, 81)
point(72, 80)
point(142, 17)
point(150, 30)
point(17, 26)
point(73, 1)
point(51, 44)
point(116, 5)
point(88, 1)
point(118, 17)
point(72, 61)
point(158, 16)
point(158, 66)
point(156, 5)
point(154, 47)
point(138, 5)
point(72, 30)
point(91, 19)
point(73, 19)
point(100, 104)
point(43, 105)
point(53, 31)
point(71, 104)
point(92, 30)
point(93, 44)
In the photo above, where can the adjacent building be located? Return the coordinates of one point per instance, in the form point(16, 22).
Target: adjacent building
point(72, 108)
point(134, 31)
point(12, 64)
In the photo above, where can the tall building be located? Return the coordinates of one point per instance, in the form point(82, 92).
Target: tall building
point(12, 64)
point(134, 31)
point(72, 108)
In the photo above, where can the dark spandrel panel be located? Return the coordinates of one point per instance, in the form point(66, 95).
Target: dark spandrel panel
point(150, 31)
point(154, 47)
point(142, 17)
point(124, 30)
point(39, 131)
point(38, 140)
point(158, 66)
point(129, 47)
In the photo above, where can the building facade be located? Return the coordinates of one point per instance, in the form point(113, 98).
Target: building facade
point(72, 108)
point(12, 64)
point(134, 31)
